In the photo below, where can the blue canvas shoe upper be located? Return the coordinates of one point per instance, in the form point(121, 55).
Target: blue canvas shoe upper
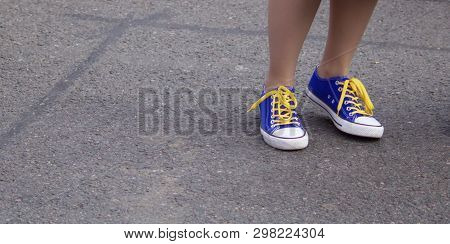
point(347, 97)
point(278, 115)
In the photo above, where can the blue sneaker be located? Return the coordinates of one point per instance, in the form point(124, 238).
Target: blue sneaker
point(347, 103)
point(280, 125)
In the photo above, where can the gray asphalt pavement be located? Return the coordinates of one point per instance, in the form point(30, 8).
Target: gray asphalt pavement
point(73, 75)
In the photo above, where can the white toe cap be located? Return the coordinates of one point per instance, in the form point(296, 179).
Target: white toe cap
point(291, 132)
point(367, 121)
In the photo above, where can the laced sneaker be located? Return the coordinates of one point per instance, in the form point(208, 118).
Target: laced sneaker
point(281, 127)
point(347, 103)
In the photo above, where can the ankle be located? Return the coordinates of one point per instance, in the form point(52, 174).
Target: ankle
point(272, 83)
point(328, 71)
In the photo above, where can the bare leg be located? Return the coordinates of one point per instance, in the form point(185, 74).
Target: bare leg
point(348, 21)
point(289, 23)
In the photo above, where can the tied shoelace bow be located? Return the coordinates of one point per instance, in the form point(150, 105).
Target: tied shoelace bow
point(283, 103)
point(355, 91)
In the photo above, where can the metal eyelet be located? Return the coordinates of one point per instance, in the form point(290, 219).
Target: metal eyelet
point(346, 102)
point(340, 89)
point(271, 122)
point(351, 114)
point(348, 108)
point(336, 82)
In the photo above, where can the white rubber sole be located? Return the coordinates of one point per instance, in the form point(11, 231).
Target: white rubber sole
point(285, 143)
point(345, 126)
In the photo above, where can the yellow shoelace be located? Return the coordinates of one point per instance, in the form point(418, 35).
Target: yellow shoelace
point(355, 90)
point(281, 103)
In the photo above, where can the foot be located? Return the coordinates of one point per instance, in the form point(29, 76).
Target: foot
point(281, 127)
point(347, 103)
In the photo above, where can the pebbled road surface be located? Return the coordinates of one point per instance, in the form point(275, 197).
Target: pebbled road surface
point(77, 79)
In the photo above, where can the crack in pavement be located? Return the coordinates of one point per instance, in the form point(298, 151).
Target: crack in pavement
point(67, 81)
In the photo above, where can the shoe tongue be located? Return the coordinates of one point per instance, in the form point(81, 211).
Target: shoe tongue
point(335, 78)
point(292, 89)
